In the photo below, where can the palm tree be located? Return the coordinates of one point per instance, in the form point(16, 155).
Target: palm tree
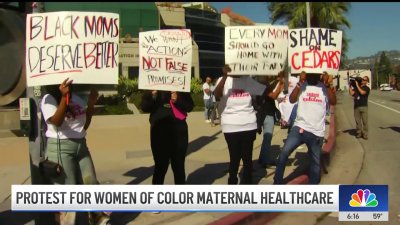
point(322, 14)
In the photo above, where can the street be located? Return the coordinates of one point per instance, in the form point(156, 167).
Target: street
point(382, 153)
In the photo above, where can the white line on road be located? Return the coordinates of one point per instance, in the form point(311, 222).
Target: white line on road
point(396, 111)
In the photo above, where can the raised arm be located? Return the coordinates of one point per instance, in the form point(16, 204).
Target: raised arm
point(220, 87)
point(93, 96)
point(58, 118)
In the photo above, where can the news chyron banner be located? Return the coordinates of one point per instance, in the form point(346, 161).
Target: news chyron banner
point(82, 46)
point(315, 50)
point(367, 203)
point(165, 60)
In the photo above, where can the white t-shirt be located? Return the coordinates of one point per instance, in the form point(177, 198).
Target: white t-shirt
point(311, 110)
point(237, 112)
point(71, 127)
point(206, 86)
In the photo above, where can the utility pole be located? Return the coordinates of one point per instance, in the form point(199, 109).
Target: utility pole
point(308, 14)
point(36, 143)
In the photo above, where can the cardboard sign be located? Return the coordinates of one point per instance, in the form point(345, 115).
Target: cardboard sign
point(82, 46)
point(315, 50)
point(165, 60)
point(256, 50)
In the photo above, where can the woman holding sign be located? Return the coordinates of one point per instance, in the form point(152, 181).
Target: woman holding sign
point(238, 120)
point(168, 132)
point(67, 117)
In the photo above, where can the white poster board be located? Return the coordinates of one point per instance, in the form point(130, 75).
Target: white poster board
point(256, 50)
point(82, 46)
point(165, 60)
point(315, 50)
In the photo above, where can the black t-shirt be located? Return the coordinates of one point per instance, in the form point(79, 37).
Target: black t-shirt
point(359, 99)
point(268, 105)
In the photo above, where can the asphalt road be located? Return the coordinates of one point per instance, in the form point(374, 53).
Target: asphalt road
point(382, 150)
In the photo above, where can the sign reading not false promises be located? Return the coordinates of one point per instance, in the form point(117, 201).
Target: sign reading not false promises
point(165, 60)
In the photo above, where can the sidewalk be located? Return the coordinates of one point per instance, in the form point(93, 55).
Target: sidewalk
point(120, 147)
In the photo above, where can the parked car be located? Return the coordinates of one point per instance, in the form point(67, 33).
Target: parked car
point(385, 87)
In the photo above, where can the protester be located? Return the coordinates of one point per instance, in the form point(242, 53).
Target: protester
point(313, 98)
point(268, 110)
point(208, 106)
point(360, 95)
point(238, 120)
point(68, 117)
point(293, 114)
point(168, 132)
point(214, 114)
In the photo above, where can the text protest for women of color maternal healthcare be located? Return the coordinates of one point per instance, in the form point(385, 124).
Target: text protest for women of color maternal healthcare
point(315, 50)
point(82, 46)
point(165, 60)
point(256, 50)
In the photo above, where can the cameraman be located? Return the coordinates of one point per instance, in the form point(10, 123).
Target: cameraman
point(360, 92)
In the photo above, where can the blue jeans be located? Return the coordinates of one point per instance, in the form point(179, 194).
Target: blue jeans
point(268, 128)
point(294, 140)
point(206, 107)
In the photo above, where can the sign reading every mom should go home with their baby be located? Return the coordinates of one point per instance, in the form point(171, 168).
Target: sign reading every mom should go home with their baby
point(256, 50)
point(82, 46)
point(315, 50)
point(165, 60)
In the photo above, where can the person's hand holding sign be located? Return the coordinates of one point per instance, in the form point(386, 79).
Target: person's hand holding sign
point(174, 96)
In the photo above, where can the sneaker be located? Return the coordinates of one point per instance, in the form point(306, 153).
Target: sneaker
point(365, 137)
point(207, 121)
point(156, 212)
point(359, 136)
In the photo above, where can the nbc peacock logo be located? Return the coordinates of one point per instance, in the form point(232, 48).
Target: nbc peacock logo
point(363, 198)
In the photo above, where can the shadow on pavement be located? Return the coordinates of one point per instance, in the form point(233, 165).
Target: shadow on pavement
point(352, 132)
point(200, 142)
point(141, 174)
point(397, 129)
point(208, 173)
point(20, 218)
point(123, 218)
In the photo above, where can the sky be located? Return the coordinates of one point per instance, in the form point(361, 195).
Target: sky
point(375, 26)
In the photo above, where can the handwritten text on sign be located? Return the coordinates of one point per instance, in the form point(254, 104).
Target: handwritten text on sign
point(256, 50)
point(315, 50)
point(80, 45)
point(165, 60)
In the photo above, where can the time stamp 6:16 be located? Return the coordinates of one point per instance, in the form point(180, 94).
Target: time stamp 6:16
point(363, 216)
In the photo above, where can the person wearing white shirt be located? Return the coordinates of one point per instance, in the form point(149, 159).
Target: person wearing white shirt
point(313, 98)
point(67, 117)
point(238, 120)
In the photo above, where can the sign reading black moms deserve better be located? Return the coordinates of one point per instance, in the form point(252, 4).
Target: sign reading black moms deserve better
point(165, 60)
point(80, 45)
point(256, 50)
point(315, 50)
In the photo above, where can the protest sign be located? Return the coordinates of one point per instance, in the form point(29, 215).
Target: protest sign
point(315, 50)
point(256, 50)
point(82, 46)
point(165, 60)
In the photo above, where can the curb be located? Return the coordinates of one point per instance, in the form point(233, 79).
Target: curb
point(257, 218)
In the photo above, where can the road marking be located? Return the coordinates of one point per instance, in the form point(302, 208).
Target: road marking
point(396, 111)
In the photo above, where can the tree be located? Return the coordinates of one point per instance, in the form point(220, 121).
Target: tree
point(322, 14)
point(384, 69)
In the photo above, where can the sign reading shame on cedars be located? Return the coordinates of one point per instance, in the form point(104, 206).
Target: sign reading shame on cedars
point(315, 50)
point(165, 60)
